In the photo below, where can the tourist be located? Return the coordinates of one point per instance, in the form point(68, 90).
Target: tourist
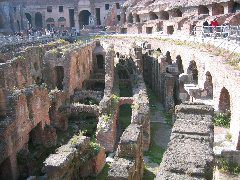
point(206, 27)
point(214, 27)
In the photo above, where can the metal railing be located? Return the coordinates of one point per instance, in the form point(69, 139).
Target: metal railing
point(224, 32)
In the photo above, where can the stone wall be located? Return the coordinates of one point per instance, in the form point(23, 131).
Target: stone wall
point(190, 151)
point(77, 159)
point(128, 162)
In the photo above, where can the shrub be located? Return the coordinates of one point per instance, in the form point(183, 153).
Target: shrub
point(228, 167)
point(222, 120)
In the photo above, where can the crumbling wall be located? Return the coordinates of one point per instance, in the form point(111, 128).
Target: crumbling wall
point(128, 162)
point(190, 151)
point(79, 158)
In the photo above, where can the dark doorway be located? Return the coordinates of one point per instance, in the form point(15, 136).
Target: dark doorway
point(170, 30)
point(203, 10)
point(38, 20)
point(29, 18)
point(224, 101)
point(236, 7)
point(149, 30)
point(59, 76)
point(98, 16)
point(71, 17)
point(100, 61)
point(84, 18)
point(5, 169)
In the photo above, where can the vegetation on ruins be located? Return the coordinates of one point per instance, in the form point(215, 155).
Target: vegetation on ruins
point(228, 167)
point(222, 120)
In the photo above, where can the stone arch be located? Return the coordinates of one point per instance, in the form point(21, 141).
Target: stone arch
point(130, 18)
point(217, 9)
point(38, 20)
point(29, 18)
point(203, 10)
point(83, 18)
point(137, 18)
point(164, 15)
point(208, 85)
point(100, 61)
point(152, 16)
point(176, 12)
point(224, 101)
point(179, 64)
point(50, 23)
point(58, 77)
point(61, 22)
point(192, 72)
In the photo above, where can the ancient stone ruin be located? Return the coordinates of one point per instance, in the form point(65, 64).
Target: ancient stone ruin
point(143, 104)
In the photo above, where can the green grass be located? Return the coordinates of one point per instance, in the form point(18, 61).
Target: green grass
point(125, 90)
point(222, 120)
point(155, 152)
point(148, 175)
point(104, 173)
point(228, 168)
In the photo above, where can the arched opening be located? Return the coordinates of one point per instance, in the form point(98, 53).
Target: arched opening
point(61, 22)
point(176, 13)
point(236, 7)
point(1, 21)
point(59, 76)
point(137, 18)
point(117, 55)
point(217, 9)
point(84, 122)
point(50, 23)
point(179, 64)
point(29, 18)
point(224, 101)
point(164, 15)
point(208, 85)
point(130, 18)
point(193, 72)
point(125, 114)
point(98, 86)
point(152, 16)
point(100, 61)
point(203, 10)
point(18, 26)
point(84, 17)
point(38, 20)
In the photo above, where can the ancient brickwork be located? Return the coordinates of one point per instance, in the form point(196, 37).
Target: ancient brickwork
point(128, 162)
point(74, 160)
point(190, 152)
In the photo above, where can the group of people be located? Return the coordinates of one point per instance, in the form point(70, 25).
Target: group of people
point(214, 27)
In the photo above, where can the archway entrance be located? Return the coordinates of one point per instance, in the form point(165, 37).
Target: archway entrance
point(84, 18)
point(203, 10)
point(59, 76)
point(193, 72)
point(29, 18)
point(100, 61)
point(38, 20)
point(224, 101)
point(208, 85)
point(217, 9)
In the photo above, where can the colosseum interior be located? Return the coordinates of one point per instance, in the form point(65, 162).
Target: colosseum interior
point(157, 99)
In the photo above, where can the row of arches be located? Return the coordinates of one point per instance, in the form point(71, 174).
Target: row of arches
point(216, 8)
point(84, 19)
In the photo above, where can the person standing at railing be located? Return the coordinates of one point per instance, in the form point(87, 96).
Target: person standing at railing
point(206, 27)
point(214, 25)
